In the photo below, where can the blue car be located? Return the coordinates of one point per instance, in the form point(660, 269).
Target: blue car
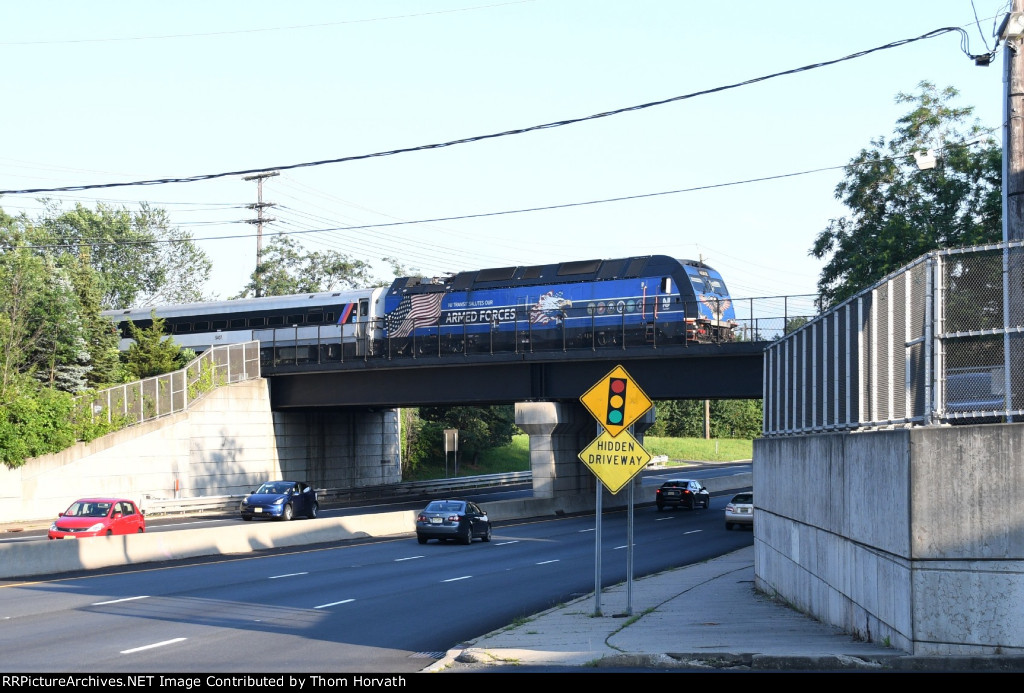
point(281, 500)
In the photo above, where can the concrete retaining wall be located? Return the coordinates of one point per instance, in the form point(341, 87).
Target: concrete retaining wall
point(915, 537)
point(227, 443)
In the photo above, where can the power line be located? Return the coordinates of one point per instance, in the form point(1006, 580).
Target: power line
point(507, 133)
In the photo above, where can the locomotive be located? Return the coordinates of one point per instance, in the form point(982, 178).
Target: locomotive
point(642, 300)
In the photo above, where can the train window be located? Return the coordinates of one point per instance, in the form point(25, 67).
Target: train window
point(315, 318)
point(535, 272)
point(364, 307)
point(257, 322)
point(275, 320)
point(237, 322)
point(203, 326)
point(219, 324)
point(328, 318)
point(180, 328)
point(296, 319)
point(582, 267)
point(666, 285)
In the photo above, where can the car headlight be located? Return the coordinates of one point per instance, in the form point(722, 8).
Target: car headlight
point(96, 527)
point(53, 527)
point(279, 501)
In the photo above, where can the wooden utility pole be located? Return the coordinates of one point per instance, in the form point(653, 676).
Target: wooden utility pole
point(260, 219)
point(1013, 124)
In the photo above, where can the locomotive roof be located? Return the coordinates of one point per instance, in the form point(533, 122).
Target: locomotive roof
point(557, 273)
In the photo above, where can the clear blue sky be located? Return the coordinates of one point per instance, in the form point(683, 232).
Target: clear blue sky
point(123, 91)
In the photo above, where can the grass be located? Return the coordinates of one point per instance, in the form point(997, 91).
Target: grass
point(516, 456)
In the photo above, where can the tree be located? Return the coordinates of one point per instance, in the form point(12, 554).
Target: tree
point(899, 212)
point(140, 258)
point(152, 353)
point(285, 269)
point(480, 428)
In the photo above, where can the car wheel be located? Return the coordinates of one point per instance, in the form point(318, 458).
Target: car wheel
point(422, 540)
point(487, 535)
point(660, 507)
point(141, 530)
point(468, 538)
point(286, 514)
point(110, 532)
point(728, 526)
point(313, 511)
point(707, 504)
point(246, 517)
point(691, 505)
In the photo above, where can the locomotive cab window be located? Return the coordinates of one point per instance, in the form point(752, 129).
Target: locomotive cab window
point(364, 307)
point(666, 285)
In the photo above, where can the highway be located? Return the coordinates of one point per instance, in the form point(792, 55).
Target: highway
point(387, 605)
point(170, 523)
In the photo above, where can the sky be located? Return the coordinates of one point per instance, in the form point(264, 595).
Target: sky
point(737, 168)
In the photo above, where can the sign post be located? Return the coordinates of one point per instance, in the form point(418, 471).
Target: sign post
point(615, 456)
point(451, 443)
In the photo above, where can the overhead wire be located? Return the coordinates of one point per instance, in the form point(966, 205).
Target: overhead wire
point(507, 133)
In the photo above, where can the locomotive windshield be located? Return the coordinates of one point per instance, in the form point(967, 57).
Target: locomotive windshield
point(705, 282)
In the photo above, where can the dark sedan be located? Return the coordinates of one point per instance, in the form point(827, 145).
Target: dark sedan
point(452, 519)
point(682, 493)
point(281, 500)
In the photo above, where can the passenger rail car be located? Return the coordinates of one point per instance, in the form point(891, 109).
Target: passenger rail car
point(647, 300)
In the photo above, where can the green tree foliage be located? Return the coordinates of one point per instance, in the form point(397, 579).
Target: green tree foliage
point(899, 212)
point(480, 428)
point(729, 418)
point(285, 269)
point(153, 353)
point(140, 258)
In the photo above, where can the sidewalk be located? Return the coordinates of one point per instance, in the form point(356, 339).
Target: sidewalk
point(707, 615)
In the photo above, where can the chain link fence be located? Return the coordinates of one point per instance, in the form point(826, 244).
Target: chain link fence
point(170, 393)
point(939, 341)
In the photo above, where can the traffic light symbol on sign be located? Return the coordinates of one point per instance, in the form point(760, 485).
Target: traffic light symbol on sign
point(616, 401)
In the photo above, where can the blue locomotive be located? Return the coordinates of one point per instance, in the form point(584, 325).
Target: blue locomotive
point(652, 299)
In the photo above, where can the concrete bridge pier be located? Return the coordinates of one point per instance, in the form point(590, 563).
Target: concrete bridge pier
point(558, 433)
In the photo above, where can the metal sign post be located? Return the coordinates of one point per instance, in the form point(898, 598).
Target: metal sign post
point(451, 443)
point(615, 457)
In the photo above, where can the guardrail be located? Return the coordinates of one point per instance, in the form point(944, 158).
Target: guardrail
point(229, 503)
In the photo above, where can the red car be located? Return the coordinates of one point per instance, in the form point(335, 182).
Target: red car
point(98, 517)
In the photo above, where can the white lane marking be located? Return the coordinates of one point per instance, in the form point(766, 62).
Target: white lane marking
point(668, 517)
point(464, 577)
point(343, 601)
point(150, 647)
point(546, 562)
point(115, 601)
point(693, 531)
point(503, 543)
point(274, 577)
point(592, 529)
point(410, 558)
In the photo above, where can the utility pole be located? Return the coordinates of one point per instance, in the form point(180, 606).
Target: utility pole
point(260, 219)
point(1012, 34)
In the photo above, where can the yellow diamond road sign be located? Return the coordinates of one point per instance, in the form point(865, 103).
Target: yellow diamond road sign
point(615, 459)
point(616, 401)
